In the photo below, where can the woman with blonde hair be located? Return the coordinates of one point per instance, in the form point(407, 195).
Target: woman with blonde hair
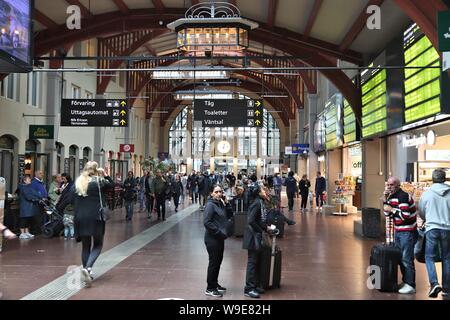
point(88, 222)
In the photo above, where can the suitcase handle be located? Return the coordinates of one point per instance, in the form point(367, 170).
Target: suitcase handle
point(389, 230)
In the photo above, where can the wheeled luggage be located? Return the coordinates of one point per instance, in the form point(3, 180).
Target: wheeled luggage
point(387, 257)
point(275, 217)
point(240, 219)
point(270, 266)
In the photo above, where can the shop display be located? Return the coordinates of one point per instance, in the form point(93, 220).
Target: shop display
point(425, 169)
point(344, 189)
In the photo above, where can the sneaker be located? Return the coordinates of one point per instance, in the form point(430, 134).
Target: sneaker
point(213, 293)
point(252, 294)
point(24, 236)
point(31, 236)
point(86, 277)
point(434, 291)
point(221, 289)
point(407, 289)
point(444, 293)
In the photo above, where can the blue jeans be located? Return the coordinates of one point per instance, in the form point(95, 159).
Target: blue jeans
point(129, 206)
point(142, 200)
point(69, 231)
point(433, 238)
point(406, 241)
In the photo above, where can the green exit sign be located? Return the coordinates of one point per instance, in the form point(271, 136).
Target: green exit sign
point(444, 31)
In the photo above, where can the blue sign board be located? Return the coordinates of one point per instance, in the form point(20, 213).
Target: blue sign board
point(300, 148)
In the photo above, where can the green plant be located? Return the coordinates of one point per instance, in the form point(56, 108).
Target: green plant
point(151, 164)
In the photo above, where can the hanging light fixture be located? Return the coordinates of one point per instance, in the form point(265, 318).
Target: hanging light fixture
point(212, 27)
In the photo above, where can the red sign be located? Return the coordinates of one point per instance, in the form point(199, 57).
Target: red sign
point(127, 148)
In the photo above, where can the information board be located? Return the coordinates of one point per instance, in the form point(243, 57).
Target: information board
point(94, 113)
point(228, 112)
point(333, 122)
point(349, 124)
point(373, 86)
point(422, 86)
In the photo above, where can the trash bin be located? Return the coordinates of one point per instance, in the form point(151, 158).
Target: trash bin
point(371, 222)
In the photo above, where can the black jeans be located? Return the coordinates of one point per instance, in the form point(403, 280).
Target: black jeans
point(290, 196)
point(89, 253)
point(176, 200)
point(304, 201)
point(161, 205)
point(252, 275)
point(215, 248)
point(319, 196)
point(149, 199)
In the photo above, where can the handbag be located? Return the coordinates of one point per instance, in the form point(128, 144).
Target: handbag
point(261, 240)
point(103, 213)
point(419, 248)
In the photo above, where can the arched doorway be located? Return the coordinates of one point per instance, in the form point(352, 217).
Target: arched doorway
point(6, 160)
point(73, 163)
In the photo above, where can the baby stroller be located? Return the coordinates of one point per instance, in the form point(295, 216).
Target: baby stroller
point(54, 226)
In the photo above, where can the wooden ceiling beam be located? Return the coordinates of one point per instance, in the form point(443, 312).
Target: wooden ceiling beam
point(358, 25)
point(122, 6)
point(43, 19)
point(271, 13)
point(312, 18)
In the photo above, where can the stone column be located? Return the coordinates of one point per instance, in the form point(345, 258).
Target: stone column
point(235, 150)
point(374, 171)
point(312, 165)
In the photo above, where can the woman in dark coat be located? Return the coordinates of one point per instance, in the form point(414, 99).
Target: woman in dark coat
point(177, 189)
point(89, 227)
point(29, 207)
point(304, 186)
point(256, 225)
point(216, 220)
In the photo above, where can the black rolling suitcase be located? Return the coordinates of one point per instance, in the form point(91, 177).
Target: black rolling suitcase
point(387, 257)
point(240, 219)
point(270, 266)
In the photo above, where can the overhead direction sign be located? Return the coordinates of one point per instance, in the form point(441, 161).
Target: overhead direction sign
point(94, 113)
point(229, 112)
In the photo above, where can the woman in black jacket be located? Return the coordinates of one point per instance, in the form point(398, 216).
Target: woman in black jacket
point(217, 215)
point(256, 226)
point(178, 190)
point(89, 225)
point(304, 186)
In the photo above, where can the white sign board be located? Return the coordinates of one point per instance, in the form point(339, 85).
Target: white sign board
point(288, 150)
point(445, 61)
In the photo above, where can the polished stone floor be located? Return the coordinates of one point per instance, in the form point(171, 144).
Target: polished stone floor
point(322, 259)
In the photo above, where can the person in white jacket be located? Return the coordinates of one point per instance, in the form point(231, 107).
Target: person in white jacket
point(434, 208)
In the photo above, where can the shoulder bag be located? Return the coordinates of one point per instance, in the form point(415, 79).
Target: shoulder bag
point(103, 213)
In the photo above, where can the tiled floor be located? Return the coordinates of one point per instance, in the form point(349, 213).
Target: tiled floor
point(322, 259)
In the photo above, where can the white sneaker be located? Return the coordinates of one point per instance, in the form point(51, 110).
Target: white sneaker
point(86, 278)
point(24, 236)
point(31, 236)
point(407, 289)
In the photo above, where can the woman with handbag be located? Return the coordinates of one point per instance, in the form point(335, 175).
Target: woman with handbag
point(89, 220)
point(217, 219)
point(252, 241)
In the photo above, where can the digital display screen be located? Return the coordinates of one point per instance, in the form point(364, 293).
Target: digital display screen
point(374, 110)
point(349, 123)
point(319, 134)
point(422, 86)
point(333, 122)
point(15, 26)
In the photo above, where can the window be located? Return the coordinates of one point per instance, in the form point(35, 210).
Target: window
point(10, 86)
point(77, 49)
point(89, 95)
point(33, 88)
point(76, 92)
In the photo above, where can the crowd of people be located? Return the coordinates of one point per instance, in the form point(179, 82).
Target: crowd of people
point(218, 196)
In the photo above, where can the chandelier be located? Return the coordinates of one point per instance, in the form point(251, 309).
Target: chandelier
point(212, 27)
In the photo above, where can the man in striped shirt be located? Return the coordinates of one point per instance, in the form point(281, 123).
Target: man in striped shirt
point(400, 206)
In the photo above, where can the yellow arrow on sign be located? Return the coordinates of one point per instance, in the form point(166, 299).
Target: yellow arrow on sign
point(258, 103)
point(123, 103)
point(258, 122)
point(123, 112)
point(257, 112)
point(123, 122)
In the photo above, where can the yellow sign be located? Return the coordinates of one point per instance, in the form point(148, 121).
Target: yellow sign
point(123, 113)
point(258, 103)
point(123, 122)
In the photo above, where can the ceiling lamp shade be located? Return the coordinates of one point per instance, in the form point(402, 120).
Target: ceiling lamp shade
point(189, 73)
point(212, 27)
